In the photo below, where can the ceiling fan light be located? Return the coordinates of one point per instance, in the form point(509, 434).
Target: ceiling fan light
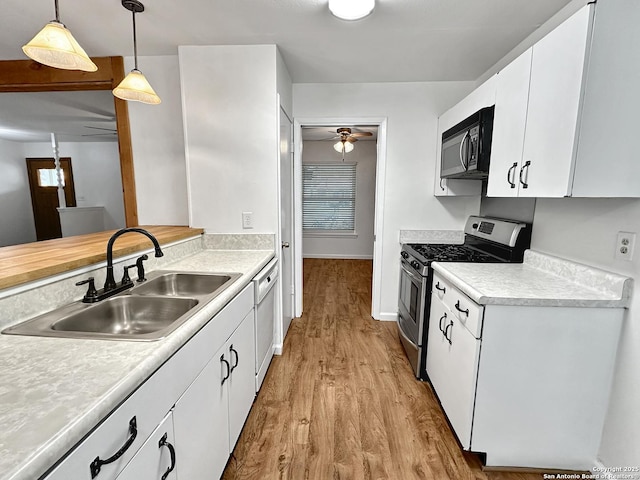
point(348, 147)
point(351, 9)
point(54, 46)
point(135, 87)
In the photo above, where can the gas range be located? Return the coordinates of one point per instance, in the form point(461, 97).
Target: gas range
point(486, 240)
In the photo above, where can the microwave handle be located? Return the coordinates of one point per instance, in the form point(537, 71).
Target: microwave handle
point(463, 155)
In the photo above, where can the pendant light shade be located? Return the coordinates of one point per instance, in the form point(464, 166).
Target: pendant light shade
point(351, 9)
point(55, 47)
point(343, 146)
point(135, 87)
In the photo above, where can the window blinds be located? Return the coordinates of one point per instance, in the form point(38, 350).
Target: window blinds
point(329, 197)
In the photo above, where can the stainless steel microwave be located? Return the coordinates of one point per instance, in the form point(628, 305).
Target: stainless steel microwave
point(466, 147)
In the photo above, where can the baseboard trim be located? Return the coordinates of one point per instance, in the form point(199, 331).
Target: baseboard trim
point(277, 349)
point(388, 317)
point(337, 256)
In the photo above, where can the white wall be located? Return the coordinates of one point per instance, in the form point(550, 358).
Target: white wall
point(365, 156)
point(157, 142)
point(412, 111)
point(231, 135)
point(585, 230)
point(96, 175)
point(16, 214)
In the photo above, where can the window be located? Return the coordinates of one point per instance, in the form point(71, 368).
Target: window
point(329, 197)
point(48, 177)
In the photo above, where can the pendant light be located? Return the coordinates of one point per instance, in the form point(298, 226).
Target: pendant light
point(55, 47)
point(351, 9)
point(135, 87)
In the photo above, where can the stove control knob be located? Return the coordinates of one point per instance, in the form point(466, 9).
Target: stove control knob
point(415, 265)
point(404, 254)
point(474, 226)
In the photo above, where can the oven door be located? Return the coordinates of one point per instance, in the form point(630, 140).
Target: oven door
point(411, 303)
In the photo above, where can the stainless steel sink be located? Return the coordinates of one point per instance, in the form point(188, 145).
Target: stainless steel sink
point(148, 311)
point(127, 315)
point(182, 284)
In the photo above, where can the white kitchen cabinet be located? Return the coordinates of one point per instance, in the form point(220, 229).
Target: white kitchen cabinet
point(526, 385)
point(483, 96)
point(563, 122)
point(156, 459)
point(452, 362)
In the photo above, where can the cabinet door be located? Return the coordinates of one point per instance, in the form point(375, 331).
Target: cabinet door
point(510, 118)
point(242, 380)
point(201, 422)
point(154, 459)
point(554, 98)
point(483, 96)
point(452, 366)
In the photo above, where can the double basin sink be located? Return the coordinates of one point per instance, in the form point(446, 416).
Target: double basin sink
point(148, 311)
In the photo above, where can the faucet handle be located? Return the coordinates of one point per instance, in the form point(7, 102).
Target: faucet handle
point(92, 294)
point(126, 280)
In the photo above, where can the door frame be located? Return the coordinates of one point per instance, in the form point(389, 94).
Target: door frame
point(381, 162)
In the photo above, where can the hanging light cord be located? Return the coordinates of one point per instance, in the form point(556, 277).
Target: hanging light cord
point(135, 42)
point(57, 13)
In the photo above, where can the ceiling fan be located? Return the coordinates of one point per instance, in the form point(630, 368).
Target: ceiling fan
point(346, 139)
point(110, 132)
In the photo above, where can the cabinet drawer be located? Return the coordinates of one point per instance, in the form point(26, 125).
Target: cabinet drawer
point(148, 405)
point(462, 307)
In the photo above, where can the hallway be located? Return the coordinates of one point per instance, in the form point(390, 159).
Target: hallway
point(342, 401)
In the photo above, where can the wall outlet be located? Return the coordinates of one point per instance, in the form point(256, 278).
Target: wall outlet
point(625, 244)
point(247, 219)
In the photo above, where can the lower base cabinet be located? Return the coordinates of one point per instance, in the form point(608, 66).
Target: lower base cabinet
point(210, 415)
point(183, 422)
point(156, 459)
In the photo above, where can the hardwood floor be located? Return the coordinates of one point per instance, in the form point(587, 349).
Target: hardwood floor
point(342, 401)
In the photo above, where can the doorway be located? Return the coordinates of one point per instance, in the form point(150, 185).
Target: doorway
point(43, 184)
point(380, 152)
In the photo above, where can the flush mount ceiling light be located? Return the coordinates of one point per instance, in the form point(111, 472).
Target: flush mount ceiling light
point(135, 87)
point(55, 47)
point(351, 9)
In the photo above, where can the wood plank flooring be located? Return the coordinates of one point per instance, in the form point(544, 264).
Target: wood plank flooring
point(342, 402)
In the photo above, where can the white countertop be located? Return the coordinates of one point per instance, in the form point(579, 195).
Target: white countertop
point(542, 280)
point(53, 391)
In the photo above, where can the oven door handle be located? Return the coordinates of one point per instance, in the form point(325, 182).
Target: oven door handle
point(412, 275)
point(404, 334)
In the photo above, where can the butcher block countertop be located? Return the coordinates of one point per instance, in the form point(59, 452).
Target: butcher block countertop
point(32, 261)
point(541, 280)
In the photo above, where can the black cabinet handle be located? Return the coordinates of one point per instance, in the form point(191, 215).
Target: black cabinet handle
point(172, 451)
point(231, 352)
point(526, 165)
point(442, 289)
point(466, 312)
point(444, 317)
point(512, 169)
point(97, 464)
point(447, 330)
point(228, 369)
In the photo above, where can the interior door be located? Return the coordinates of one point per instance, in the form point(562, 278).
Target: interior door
point(286, 220)
point(43, 184)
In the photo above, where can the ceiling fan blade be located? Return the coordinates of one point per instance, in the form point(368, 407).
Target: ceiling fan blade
point(361, 134)
point(100, 128)
point(351, 139)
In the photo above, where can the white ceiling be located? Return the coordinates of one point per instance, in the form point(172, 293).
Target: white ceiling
point(402, 40)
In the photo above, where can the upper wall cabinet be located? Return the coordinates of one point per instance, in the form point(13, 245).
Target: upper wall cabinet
point(483, 96)
point(564, 110)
